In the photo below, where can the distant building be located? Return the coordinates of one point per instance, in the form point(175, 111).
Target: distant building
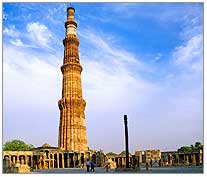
point(152, 155)
point(52, 157)
point(46, 157)
point(174, 158)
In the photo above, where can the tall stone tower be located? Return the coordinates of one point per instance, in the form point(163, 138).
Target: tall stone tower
point(72, 127)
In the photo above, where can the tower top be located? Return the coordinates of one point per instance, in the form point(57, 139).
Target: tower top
point(70, 24)
point(70, 7)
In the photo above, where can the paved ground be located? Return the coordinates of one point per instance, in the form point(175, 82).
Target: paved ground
point(73, 170)
point(181, 169)
point(192, 169)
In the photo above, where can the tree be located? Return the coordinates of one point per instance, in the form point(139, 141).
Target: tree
point(111, 153)
point(185, 149)
point(17, 145)
point(124, 153)
point(190, 148)
point(198, 145)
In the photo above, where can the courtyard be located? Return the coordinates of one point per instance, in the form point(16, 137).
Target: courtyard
point(178, 169)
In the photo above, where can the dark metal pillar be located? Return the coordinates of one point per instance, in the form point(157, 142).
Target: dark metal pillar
point(126, 141)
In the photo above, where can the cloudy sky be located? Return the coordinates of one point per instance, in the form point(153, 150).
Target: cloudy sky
point(140, 59)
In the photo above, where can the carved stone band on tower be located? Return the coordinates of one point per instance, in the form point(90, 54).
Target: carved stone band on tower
point(72, 127)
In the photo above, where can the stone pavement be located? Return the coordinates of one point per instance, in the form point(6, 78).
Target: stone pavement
point(180, 169)
point(73, 170)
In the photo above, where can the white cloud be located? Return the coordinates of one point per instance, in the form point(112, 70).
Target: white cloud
point(26, 62)
point(11, 31)
point(169, 76)
point(31, 88)
point(190, 54)
point(110, 76)
point(39, 34)
point(17, 43)
point(58, 11)
point(104, 47)
point(157, 57)
point(112, 89)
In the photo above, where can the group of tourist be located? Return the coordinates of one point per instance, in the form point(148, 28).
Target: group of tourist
point(90, 164)
point(156, 164)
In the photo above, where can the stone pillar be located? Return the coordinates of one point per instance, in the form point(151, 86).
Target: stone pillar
point(42, 163)
point(57, 160)
point(18, 161)
point(186, 160)
point(201, 156)
point(53, 161)
point(73, 160)
point(39, 162)
point(32, 161)
point(14, 160)
point(26, 160)
point(170, 159)
point(63, 165)
point(43, 158)
point(22, 160)
point(79, 159)
point(10, 162)
point(193, 159)
point(76, 159)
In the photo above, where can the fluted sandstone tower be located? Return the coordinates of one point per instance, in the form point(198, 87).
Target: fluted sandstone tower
point(72, 127)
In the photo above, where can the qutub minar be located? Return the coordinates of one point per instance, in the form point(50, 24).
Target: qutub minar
point(72, 127)
point(72, 150)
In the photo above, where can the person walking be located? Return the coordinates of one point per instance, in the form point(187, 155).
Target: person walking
point(92, 166)
point(88, 163)
point(147, 165)
point(151, 162)
point(107, 167)
point(160, 163)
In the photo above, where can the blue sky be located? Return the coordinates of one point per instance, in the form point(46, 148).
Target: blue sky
point(140, 59)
